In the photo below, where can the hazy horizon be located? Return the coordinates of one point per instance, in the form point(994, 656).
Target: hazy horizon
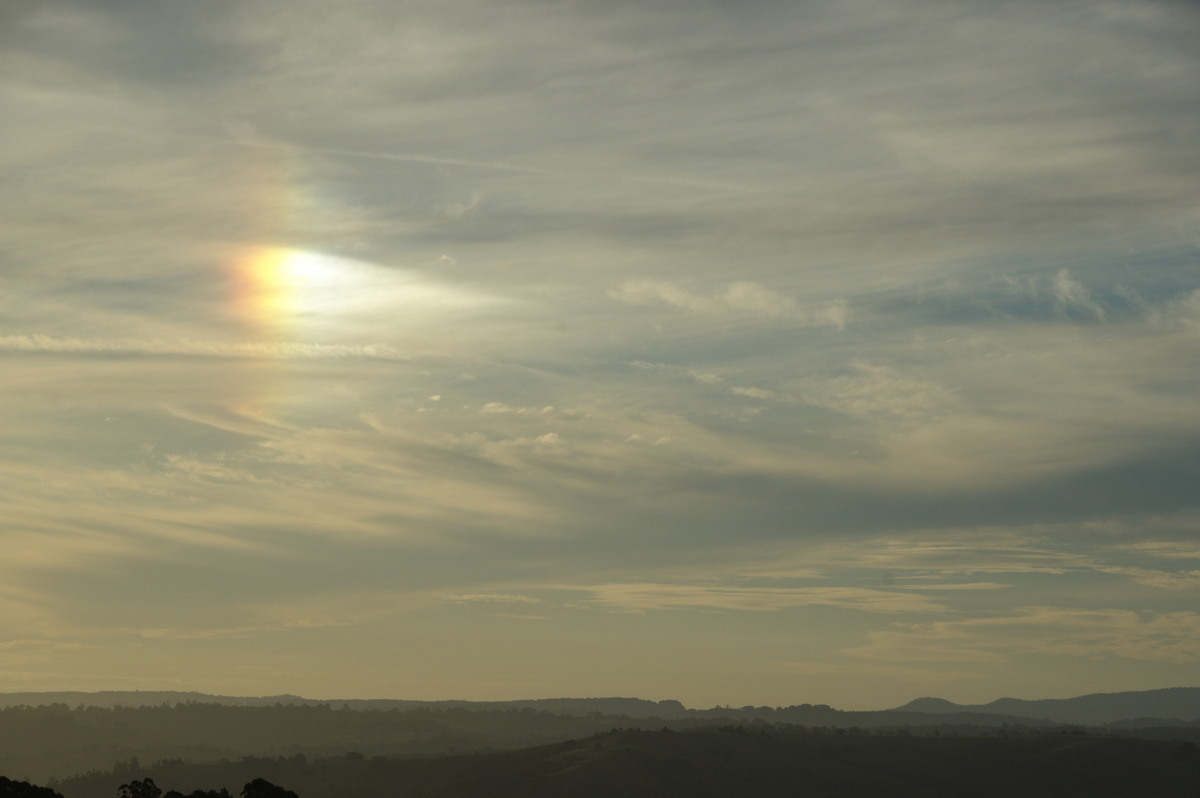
point(600, 698)
point(725, 352)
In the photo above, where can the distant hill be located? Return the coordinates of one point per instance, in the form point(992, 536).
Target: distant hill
point(638, 709)
point(144, 698)
point(1172, 705)
point(575, 707)
point(57, 735)
point(579, 707)
point(1169, 706)
point(722, 763)
point(1177, 706)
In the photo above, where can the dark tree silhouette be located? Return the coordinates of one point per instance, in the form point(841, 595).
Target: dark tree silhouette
point(140, 788)
point(261, 788)
point(23, 789)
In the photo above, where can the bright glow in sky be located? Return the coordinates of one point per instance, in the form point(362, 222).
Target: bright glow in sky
point(281, 284)
point(736, 353)
point(298, 293)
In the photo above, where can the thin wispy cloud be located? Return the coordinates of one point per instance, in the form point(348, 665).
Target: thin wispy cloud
point(642, 597)
point(237, 349)
point(1130, 635)
point(741, 298)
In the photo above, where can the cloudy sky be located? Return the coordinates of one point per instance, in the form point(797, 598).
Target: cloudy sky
point(743, 352)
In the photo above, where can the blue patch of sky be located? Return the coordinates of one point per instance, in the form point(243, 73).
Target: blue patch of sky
point(1112, 289)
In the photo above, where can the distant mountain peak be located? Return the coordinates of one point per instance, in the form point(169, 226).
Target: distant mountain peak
point(930, 704)
point(1168, 705)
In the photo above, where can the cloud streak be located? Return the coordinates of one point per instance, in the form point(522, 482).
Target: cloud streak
point(739, 298)
point(44, 344)
point(643, 597)
point(1093, 634)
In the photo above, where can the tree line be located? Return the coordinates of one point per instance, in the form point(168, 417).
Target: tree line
point(146, 788)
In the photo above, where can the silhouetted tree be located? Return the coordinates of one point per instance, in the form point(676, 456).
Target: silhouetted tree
point(140, 788)
point(261, 788)
point(23, 789)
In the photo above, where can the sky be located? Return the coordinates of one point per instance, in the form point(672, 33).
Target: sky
point(736, 353)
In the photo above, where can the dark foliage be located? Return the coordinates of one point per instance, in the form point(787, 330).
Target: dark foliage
point(733, 761)
point(139, 788)
point(23, 789)
point(261, 788)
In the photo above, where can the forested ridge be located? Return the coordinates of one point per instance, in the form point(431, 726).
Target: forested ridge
point(729, 761)
point(390, 750)
point(56, 740)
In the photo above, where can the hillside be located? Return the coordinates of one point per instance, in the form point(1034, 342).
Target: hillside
point(39, 741)
point(1169, 706)
point(1173, 705)
point(108, 699)
point(728, 762)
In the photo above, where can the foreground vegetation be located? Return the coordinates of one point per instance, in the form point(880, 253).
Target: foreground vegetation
point(579, 748)
point(730, 761)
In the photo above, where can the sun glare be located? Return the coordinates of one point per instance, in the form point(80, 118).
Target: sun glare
point(305, 271)
point(297, 293)
point(278, 286)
